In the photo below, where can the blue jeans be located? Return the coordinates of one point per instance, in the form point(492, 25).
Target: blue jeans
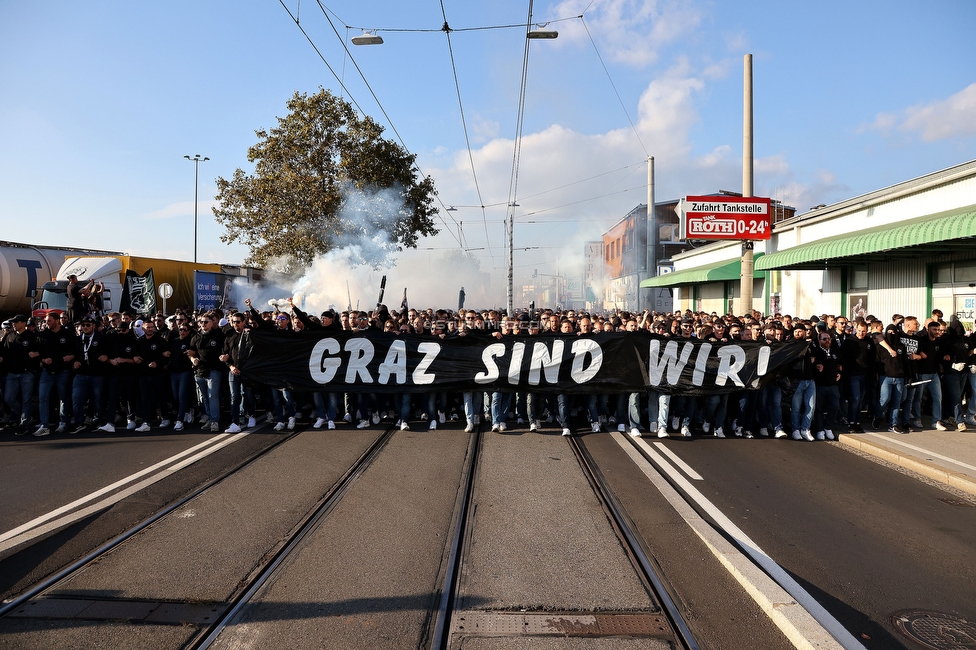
point(208, 387)
point(500, 403)
point(715, 409)
point(935, 392)
point(241, 398)
point(152, 396)
point(326, 405)
point(771, 406)
point(83, 388)
point(658, 405)
point(283, 404)
point(180, 383)
point(953, 384)
point(889, 403)
point(856, 387)
point(828, 404)
point(59, 382)
point(18, 394)
point(804, 404)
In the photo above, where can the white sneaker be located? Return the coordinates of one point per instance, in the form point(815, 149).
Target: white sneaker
point(748, 435)
point(764, 432)
point(521, 421)
point(621, 428)
point(441, 417)
point(251, 422)
point(362, 424)
point(404, 425)
point(738, 432)
point(674, 423)
point(595, 427)
point(144, 427)
point(820, 435)
point(567, 431)
point(469, 428)
point(188, 418)
point(347, 417)
point(635, 433)
point(279, 426)
point(662, 433)
point(502, 427)
point(829, 434)
point(376, 418)
point(939, 425)
point(780, 433)
point(107, 428)
point(433, 425)
point(233, 428)
point(291, 424)
point(178, 426)
point(63, 427)
point(163, 424)
point(603, 419)
point(796, 434)
point(130, 425)
point(807, 435)
point(318, 423)
point(706, 427)
point(719, 432)
point(533, 426)
point(204, 420)
point(494, 428)
point(330, 425)
point(685, 431)
point(215, 426)
point(41, 432)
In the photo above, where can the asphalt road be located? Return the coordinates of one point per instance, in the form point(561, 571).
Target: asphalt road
point(866, 542)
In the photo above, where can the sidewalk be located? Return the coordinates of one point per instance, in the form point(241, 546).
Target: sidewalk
point(945, 456)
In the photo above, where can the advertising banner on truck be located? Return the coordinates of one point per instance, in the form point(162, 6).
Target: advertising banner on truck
point(215, 290)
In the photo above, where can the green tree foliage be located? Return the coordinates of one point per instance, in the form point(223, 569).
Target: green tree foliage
point(325, 178)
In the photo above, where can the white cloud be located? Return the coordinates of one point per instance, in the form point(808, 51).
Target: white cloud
point(939, 120)
point(627, 31)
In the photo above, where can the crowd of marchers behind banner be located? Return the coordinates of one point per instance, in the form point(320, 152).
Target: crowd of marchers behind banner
point(74, 372)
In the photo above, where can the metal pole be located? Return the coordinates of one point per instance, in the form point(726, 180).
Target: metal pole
point(746, 265)
point(196, 160)
point(652, 234)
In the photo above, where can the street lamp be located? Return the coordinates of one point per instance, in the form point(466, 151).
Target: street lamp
point(196, 160)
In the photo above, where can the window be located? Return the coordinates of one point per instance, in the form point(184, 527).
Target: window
point(859, 278)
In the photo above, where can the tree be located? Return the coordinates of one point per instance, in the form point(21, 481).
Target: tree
point(325, 178)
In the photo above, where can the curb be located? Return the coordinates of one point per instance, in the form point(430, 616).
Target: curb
point(926, 468)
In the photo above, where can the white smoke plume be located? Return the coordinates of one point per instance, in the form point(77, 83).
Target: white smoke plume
point(349, 275)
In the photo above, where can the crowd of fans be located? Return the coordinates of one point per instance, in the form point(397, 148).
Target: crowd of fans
point(119, 370)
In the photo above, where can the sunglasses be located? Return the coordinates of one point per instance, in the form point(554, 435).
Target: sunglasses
point(184, 329)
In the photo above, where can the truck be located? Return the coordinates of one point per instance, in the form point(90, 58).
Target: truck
point(25, 267)
point(131, 283)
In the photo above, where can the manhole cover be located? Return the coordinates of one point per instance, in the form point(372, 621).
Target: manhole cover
point(936, 630)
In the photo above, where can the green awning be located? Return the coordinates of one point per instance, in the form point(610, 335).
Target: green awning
point(718, 272)
point(925, 236)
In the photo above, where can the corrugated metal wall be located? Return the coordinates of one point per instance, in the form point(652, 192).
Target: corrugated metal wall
point(897, 289)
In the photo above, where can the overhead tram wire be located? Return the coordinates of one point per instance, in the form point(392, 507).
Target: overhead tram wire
point(356, 103)
point(516, 157)
point(386, 115)
point(464, 125)
point(613, 85)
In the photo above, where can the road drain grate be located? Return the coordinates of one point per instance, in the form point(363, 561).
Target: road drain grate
point(935, 630)
point(497, 624)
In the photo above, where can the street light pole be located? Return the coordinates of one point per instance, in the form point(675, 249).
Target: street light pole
point(196, 160)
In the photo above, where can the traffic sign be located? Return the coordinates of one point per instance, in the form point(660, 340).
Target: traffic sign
point(724, 217)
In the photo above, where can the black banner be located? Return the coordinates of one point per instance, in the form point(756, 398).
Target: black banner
point(139, 293)
point(603, 363)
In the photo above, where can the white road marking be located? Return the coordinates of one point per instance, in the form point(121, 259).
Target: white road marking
point(805, 622)
point(685, 467)
point(924, 451)
point(37, 527)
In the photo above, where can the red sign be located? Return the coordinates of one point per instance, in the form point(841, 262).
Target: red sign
point(724, 217)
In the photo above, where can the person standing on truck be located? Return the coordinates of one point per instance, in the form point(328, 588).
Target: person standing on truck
point(18, 351)
point(76, 304)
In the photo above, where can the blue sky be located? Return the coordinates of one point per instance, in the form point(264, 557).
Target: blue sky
point(100, 102)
